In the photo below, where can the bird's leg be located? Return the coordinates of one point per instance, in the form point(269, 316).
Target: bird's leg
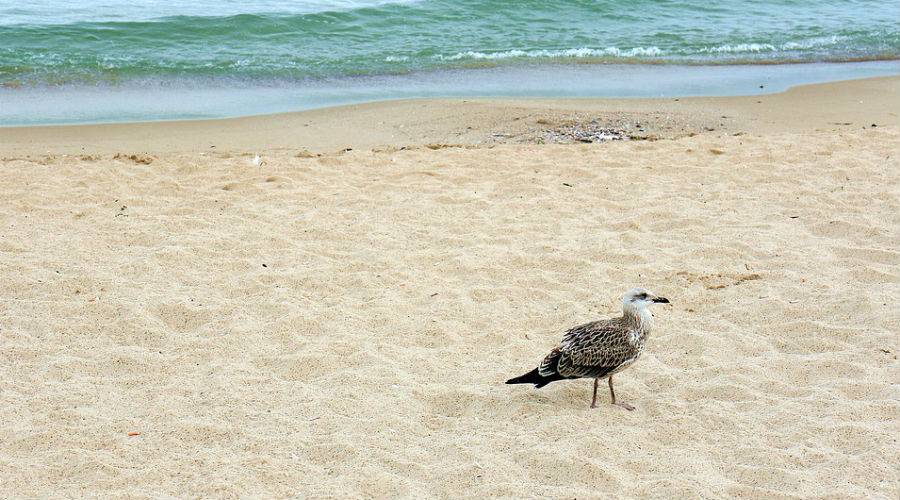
point(594, 401)
point(612, 394)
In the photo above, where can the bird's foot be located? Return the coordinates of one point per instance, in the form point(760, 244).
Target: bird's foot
point(625, 405)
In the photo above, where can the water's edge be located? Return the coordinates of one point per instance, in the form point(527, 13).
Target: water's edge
point(199, 100)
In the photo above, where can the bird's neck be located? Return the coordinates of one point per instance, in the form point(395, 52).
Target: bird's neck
point(639, 317)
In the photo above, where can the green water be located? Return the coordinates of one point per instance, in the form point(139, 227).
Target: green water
point(91, 41)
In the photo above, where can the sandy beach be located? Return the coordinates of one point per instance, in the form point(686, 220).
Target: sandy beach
point(327, 303)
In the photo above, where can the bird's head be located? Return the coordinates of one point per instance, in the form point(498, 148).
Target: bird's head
point(640, 298)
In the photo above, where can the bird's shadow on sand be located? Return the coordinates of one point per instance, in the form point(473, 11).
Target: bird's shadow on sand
point(556, 398)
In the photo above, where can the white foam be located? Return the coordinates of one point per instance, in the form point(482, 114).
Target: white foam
point(743, 48)
point(562, 53)
point(740, 48)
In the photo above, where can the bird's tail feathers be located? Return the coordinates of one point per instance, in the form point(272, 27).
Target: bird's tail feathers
point(533, 377)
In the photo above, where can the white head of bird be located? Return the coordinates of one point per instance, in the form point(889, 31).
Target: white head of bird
point(636, 301)
point(640, 298)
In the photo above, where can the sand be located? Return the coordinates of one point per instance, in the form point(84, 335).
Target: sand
point(340, 323)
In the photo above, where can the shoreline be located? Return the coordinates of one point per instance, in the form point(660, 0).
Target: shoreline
point(142, 101)
point(834, 106)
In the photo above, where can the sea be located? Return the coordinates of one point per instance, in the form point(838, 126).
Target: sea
point(88, 61)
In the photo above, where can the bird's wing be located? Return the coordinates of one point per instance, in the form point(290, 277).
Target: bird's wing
point(594, 349)
point(549, 365)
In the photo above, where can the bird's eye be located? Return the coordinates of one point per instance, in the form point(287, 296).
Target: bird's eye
point(641, 296)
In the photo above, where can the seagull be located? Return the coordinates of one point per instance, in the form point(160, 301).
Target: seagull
point(599, 349)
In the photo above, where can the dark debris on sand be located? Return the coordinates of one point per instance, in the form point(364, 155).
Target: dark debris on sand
point(575, 128)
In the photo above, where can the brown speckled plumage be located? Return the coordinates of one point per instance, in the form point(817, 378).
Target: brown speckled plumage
point(599, 349)
point(596, 349)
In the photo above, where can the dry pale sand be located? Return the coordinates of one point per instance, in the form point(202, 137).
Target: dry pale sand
point(341, 325)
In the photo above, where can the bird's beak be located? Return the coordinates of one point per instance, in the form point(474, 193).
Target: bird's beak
point(661, 300)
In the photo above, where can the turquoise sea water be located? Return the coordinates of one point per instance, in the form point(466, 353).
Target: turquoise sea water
point(158, 44)
point(108, 40)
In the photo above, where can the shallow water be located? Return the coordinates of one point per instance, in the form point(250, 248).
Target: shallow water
point(193, 99)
